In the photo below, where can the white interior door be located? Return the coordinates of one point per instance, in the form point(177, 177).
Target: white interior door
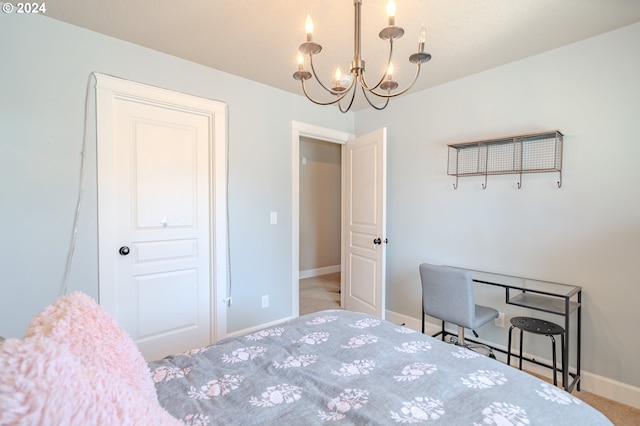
point(155, 218)
point(364, 237)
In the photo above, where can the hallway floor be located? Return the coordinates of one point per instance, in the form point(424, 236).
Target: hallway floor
point(320, 293)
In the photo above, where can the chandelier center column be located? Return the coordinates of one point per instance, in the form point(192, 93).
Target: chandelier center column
point(357, 66)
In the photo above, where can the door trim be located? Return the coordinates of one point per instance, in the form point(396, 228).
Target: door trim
point(298, 130)
point(109, 88)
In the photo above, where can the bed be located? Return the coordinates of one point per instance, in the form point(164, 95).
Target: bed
point(329, 367)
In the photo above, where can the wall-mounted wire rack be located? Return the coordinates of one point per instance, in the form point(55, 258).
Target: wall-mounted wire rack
point(529, 153)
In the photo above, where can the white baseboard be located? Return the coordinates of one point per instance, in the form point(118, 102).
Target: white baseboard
point(320, 271)
point(409, 322)
point(257, 327)
point(611, 389)
point(590, 382)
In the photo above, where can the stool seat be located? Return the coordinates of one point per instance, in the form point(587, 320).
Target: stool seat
point(537, 326)
point(541, 327)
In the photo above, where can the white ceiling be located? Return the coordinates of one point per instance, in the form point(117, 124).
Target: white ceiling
point(258, 39)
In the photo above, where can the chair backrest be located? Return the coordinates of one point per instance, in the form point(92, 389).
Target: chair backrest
point(447, 294)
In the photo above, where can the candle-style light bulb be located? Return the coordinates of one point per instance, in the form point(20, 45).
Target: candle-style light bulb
point(391, 12)
point(300, 61)
point(422, 40)
point(389, 84)
point(338, 77)
point(308, 28)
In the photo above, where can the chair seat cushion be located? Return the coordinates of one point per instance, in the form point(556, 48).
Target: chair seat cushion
point(484, 314)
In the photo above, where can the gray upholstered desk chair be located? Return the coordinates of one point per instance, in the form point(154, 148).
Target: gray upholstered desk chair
point(447, 294)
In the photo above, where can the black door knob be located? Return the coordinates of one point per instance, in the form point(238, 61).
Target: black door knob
point(124, 250)
point(377, 241)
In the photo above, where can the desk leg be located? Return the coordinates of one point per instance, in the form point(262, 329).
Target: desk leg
point(578, 338)
point(565, 353)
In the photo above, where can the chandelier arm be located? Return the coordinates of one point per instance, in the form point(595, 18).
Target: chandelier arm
point(333, 92)
point(304, 89)
point(379, 108)
point(362, 79)
point(353, 96)
point(393, 95)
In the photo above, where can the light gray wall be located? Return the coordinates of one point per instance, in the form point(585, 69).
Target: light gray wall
point(45, 68)
point(319, 204)
point(586, 233)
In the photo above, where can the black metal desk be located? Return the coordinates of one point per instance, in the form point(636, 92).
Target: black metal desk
point(545, 296)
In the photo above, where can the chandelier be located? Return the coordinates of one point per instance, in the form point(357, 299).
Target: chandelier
point(342, 86)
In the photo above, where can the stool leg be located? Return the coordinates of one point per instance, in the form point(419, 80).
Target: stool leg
point(521, 335)
point(553, 349)
point(509, 346)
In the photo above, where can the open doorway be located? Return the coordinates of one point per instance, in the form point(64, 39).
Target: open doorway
point(302, 133)
point(363, 223)
point(320, 225)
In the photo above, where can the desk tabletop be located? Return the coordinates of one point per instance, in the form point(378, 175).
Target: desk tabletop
point(525, 284)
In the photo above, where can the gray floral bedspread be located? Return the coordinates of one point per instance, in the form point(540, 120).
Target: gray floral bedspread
point(341, 367)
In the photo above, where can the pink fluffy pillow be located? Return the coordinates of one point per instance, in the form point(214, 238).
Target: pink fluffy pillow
point(43, 383)
point(95, 338)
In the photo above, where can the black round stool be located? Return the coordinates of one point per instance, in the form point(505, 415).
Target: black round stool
point(537, 326)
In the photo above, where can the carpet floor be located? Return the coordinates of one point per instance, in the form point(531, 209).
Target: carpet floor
point(320, 293)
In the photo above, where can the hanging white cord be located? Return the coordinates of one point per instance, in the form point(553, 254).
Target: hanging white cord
point(228, 299)
point(76, 220)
